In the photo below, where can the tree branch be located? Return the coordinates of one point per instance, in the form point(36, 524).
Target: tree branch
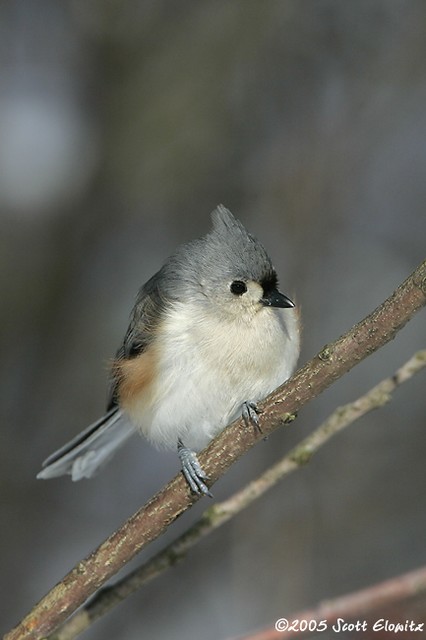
point(214, 517)
point(168, 504)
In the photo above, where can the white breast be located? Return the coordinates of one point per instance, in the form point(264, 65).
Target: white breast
point(208, 369)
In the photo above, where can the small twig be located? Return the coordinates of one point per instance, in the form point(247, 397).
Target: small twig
point(109, 597)
point(349, 607)
point(166, 506)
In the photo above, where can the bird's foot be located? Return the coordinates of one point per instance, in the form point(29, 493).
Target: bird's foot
point(251, 415)
point(191, 469)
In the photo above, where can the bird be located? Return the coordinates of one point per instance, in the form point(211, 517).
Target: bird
point(209, 336)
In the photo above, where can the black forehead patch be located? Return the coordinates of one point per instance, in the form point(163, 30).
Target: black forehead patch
point(269, 282)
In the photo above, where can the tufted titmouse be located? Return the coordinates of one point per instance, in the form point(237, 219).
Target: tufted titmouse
point(209, 336)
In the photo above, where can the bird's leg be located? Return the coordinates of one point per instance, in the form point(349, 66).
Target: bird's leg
point(251, 415)
point(191, 469)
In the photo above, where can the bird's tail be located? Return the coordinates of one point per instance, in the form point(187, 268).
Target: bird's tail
point(90, 450)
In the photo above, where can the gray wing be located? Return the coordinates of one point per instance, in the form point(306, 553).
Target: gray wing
point(144, 319)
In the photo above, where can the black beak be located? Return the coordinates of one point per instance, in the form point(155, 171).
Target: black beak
point(276, 299)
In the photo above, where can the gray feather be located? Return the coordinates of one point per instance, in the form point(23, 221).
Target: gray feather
point(83, 456)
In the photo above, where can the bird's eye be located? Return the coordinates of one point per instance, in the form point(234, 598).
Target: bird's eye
point(238, 287)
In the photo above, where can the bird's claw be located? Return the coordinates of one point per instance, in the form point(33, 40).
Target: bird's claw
point(251, 415)
point(191, 469)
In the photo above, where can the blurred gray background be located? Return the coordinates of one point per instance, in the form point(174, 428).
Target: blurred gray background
point(122, 125)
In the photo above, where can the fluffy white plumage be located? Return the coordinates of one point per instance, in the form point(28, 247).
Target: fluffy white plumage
point(210, 365)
